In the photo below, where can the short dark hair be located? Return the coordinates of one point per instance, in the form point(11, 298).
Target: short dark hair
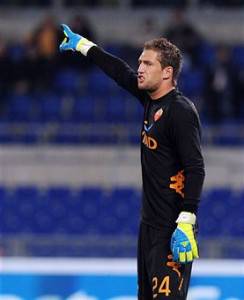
point(169, 54)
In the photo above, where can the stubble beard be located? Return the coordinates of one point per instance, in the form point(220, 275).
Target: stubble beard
point(149, 89)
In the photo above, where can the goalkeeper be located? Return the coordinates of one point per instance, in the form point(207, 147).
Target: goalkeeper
point(171, 160)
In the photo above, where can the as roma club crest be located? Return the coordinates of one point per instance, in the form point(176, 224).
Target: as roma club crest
point(158, 114)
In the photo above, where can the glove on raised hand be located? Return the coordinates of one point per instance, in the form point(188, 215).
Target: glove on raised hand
point(74, 41)
point(183, 242)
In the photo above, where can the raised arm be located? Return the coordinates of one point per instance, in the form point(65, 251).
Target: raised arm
point(111, 65)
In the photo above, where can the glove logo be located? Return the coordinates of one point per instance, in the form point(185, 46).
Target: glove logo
point(178, 185)
point(185, 244)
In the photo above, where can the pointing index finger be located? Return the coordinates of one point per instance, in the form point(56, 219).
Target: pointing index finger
point(66, 29)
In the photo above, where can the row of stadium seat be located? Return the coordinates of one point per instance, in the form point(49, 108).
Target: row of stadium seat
point(103, 101)
point(95, 98)
point(70, 82)
point(64, 211)
point(50, 107)
point(99, 211)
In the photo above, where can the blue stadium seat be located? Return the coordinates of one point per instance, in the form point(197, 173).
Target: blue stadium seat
point(115, 109)
point(76, 221)
point(52, 210)
point(59, 193)
point(17, 52)
point(20, 107)
point(100, 84)
point(207, 54)
point(2, 205)
point(238, 56)
point(15, 218)
point(85, 109)
point(114, 48)
point(50, 107)
point(214, 213)
point(134, 109)
point(192, 82)
point(92, 192)
point(67, 82)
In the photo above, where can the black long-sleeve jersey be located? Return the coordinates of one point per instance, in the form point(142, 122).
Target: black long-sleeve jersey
point(171, 158)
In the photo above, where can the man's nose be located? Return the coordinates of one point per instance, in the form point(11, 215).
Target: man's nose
point(140, 69)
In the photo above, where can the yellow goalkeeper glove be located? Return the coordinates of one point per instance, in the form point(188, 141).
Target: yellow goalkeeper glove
point(183, 241)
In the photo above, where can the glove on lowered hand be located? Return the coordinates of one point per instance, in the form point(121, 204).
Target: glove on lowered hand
point(183, 242)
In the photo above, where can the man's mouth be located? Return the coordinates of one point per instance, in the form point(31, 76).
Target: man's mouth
point(140, 78)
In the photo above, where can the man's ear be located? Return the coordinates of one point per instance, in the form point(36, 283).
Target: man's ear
point(167, 72)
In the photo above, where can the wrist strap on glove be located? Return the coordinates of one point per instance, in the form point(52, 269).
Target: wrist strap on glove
point(186, 218)
point(84, 45)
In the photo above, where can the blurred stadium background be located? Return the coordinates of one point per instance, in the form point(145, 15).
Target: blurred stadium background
point(70, 181)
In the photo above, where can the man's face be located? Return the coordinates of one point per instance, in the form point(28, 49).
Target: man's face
point(150, 72)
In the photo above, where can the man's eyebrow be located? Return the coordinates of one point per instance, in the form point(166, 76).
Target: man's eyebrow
point(144, 60)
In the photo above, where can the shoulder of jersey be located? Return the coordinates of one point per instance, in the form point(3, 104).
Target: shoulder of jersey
point(183, 104)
